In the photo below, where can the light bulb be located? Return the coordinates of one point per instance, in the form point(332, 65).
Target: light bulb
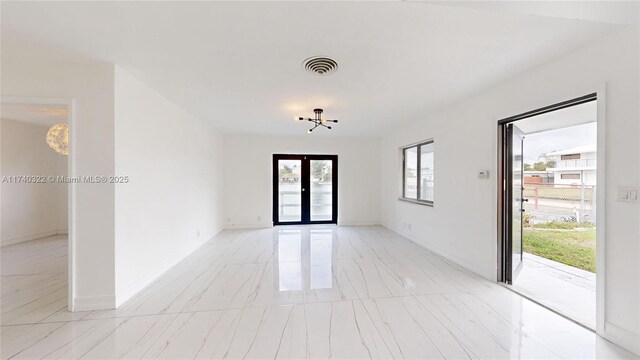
point(309, 131)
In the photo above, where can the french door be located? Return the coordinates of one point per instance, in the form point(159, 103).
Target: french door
point(514, 201)
point(305, 189)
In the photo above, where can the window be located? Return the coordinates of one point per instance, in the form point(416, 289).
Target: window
point(570, 176)
point(570, 157)
point(417, 184)
point(411, 173)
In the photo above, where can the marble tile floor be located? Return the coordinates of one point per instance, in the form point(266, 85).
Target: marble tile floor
point(34, 280)
point(288, 292)
point(559, 286)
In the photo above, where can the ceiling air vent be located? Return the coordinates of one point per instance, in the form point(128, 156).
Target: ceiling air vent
point(320, 65)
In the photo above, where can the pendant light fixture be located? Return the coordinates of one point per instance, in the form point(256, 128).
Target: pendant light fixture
point(58, 138)
point(317, 120)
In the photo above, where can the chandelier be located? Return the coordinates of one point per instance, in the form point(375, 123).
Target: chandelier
point(58, 138)
point(317, 120)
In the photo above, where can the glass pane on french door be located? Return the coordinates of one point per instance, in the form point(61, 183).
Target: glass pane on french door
point(321, 190)
point(290, 190)
point(517, 139)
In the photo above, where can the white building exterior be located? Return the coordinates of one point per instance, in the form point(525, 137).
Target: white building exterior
point(575, 166)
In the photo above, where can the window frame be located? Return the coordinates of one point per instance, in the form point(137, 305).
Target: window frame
point(572, 176)
point(575, 156)
point(403, 151)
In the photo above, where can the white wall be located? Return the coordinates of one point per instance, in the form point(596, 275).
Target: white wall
point(91, 85)
point(172, 203)
point(30, 210)
point(463, 223)
point(172, 159)
point(248, 178)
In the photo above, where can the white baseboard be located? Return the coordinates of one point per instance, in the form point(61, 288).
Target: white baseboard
point(131, 290)
point(454, 259)
point(613, 333)
point(89, 303)
point(137, 286)
point(266, 225)
point(34, 236)
point(256, 225)
point(359, 223)
point(622, 337)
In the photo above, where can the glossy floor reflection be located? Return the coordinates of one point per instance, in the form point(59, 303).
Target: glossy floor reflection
point(308, 292)
point(557, 286)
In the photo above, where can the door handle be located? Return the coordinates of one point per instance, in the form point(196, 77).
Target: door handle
point(525, 200)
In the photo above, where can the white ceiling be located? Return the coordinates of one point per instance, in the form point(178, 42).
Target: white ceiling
point(238, 65)
point(608, 11)
point(41, 115)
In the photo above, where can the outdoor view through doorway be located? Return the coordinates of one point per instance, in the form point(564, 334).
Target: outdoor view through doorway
point(553, 208)
point(305, 189)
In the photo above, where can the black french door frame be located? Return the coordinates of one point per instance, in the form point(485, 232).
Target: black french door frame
point(509, 270)
point(305, 176)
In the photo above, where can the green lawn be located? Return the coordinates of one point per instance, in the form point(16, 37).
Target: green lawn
point(576, 248)
point(563, 225)
point(563, 193)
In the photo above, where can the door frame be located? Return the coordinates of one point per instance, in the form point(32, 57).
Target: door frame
point(72, 172)
point(600, 96)
point(508, 272)
point(306, 184)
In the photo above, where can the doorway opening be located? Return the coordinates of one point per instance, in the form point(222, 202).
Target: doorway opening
point(548, 206)
point(305, 189)
point(37, 209)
